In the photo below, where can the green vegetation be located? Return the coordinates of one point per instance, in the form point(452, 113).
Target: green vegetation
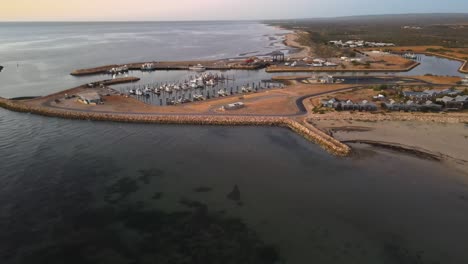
point(318, 110)
point(381, 87)
point(434, 30)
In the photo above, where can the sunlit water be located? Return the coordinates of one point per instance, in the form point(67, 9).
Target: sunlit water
point(102, 192)
point(38, 57)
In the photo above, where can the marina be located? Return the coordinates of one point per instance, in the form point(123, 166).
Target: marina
point(195, 88)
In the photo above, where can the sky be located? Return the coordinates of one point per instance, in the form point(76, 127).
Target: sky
point(162, 10)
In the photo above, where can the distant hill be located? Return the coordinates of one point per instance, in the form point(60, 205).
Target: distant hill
point(449, 30)
point(434, 18)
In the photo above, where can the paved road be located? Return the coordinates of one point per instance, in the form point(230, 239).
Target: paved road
point(302, 111)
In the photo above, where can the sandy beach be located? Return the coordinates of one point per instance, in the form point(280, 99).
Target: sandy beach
point(447, 141)
point(291, 40)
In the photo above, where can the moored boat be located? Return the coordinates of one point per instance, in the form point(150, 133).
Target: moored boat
point(410, 56)
point(148, 67)
point(197, 67)
point(222, 93)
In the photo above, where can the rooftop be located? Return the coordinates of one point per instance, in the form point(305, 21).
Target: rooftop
point(90, 96)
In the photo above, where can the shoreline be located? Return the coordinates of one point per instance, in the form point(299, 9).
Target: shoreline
point(421, 153)
point(128, 110)
point(290, 41)
point(435, 141)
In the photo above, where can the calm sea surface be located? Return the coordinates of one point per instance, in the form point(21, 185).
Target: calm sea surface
point(38, 57)
point(101, 192)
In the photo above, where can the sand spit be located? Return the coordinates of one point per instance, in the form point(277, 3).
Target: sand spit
point(443, 141)
point(422, 153)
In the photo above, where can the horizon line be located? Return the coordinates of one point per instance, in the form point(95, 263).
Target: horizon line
point(227, 20)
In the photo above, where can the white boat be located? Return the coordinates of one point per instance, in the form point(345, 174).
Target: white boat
point(198, 97)
point(185, 86)
point(148, 67)
point(210, 83)
point(410, 56)
point(147, 89)
point(246, 89)
point(198, 67)
point(118, 70)
point(132, 91)
point(222, 93)
point(139, 92)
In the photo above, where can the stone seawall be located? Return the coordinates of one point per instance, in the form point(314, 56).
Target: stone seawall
point(315, 135)
point(310, 133)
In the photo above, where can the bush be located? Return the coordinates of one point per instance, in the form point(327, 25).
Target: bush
point(383, 87)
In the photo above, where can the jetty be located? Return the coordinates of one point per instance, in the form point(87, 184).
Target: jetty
point(221, 65)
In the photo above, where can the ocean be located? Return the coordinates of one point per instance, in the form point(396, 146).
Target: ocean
point(38, 57)
point(103, 192)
